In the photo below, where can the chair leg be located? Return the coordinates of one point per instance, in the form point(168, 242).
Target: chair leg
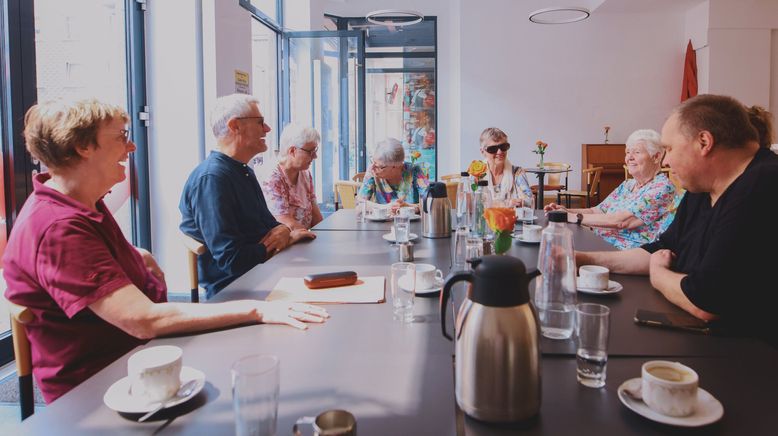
point(26, 400)
point(195, 293)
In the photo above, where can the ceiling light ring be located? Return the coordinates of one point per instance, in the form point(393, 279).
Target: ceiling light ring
point(585, 13)
point(416, 17)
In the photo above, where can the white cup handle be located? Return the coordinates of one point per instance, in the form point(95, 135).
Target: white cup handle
point(305, 420)
point(438, 275)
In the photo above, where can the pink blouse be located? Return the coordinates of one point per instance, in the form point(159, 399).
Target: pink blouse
point(284, 198)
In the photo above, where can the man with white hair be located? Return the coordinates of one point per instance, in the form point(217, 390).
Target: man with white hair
point(222, 204)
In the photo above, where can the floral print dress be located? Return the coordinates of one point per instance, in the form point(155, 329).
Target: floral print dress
point(654, 203)
point(284, 198)
point(411, 189)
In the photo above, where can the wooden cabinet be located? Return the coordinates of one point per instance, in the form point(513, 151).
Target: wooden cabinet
point(608, 156)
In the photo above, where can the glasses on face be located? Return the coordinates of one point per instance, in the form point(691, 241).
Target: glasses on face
point(381, 167)
point(492, 149)
point(312, 152)
point(125, 134)
point(260, 120)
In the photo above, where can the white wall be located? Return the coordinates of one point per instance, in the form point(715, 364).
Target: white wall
point(696, 29)
point(562, 84)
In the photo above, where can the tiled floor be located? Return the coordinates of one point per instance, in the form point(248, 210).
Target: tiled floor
point(9, 419)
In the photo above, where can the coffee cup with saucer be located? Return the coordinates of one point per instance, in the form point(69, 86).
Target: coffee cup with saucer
point(530, 234)
point(594, 279)
point(668, 392)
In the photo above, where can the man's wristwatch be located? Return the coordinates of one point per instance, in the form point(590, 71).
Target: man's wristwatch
point(578, 218)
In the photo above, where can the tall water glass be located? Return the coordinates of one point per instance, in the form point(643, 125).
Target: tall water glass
point(255, 385)
point(463, 218)
point(528, 208)
point(460, 248)
point(360, 207)
point(401, 228)
point(474, 248)
point(592, 355)
point(403, 286)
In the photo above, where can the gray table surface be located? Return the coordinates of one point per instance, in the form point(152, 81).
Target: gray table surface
point(398, 379)
point(346, 219)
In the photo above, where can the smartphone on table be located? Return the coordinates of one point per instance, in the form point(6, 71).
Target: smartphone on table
point(678, 321)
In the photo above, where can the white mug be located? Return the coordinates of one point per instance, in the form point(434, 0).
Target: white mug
point(531, 232)
point(593, 277)
point(407, 211)
point(155, 372)
point(427, 276)
point(519, 212)
point(669, 388)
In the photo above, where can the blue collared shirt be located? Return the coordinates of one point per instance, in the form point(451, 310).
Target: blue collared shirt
point(222, 206)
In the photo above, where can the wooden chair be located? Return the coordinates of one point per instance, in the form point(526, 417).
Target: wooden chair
point(345, 194)
point(20, 316)
point(451, 191)
point(592, 188)
point(359, 177)
point(668, 172)
point(450, 177)
point(194, 248)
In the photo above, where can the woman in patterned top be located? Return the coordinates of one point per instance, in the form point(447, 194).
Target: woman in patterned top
point(639, 209)
point(505, 179)
point(391, 180)
point(289, 189)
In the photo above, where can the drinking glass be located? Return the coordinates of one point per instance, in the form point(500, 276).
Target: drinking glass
point(401, 228)
point(462, 210)
point(460, 248)
point(528, 205)
point(592, 355)
point(403, 285)
point(474, 248)
point(255, 385)
point(361, 210)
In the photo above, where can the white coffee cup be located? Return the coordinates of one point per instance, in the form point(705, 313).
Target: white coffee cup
point(427, 276)
point(407, 212)
point(669, 388)
point(531, 232)
point(155, 372)
point(379, 212)
point(593, 277)
point(519, 213)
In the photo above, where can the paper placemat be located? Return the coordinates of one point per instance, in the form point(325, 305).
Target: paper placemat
point(365, 290)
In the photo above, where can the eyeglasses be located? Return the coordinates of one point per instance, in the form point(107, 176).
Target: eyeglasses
point(125, 135)
point(381, 167)
point(312, 152)
point(492, 149)
point(261, 120)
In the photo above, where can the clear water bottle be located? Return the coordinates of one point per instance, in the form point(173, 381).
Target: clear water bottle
point(464, 200)
point(555, 291)
point(481, 200)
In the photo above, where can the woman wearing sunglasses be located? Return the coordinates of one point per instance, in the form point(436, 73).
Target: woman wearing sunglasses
point(391, 180)
point(504, 178)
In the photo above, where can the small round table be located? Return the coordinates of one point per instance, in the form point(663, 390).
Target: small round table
point(541, 173)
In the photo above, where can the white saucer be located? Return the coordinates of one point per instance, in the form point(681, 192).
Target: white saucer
point(118, 397)
point(520, 237)
point(379, 220)
point(390, 237)
point(708, 411)
point(438, 286)
point(527, 219)
point(613, 288)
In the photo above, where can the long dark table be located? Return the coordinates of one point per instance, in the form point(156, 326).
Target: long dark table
point(398, 379)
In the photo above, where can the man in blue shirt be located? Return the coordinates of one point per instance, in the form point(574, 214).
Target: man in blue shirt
point(222, 204)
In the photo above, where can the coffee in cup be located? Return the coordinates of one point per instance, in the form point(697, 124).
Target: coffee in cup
point(427, 276)
point(669, 388)
point(593, 277)
point(329, 423)
point(531, 232)
point(155, 372)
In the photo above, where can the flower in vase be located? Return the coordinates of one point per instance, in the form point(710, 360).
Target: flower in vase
point(501, 220)
point(540, 150)
point(415, 155)
point(478, 170)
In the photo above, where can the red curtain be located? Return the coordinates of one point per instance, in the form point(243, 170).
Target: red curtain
point(689, 87)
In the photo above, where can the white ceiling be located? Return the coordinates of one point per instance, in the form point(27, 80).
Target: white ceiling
point(643, 6)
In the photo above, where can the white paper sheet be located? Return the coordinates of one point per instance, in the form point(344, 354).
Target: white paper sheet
point(365, 290)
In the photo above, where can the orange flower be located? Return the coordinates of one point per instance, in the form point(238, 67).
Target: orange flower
point(477, 169)
point(541, 147)
point(500, 219)
point(415, 155)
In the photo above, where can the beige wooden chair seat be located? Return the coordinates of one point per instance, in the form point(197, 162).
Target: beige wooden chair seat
point(345, 194)
point(20, 316)
point(194, 248)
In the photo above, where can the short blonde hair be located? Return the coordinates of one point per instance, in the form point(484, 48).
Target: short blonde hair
point(494, 134)
point(54, 130)
point(296, 135)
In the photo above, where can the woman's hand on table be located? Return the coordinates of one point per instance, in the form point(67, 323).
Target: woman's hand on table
point(292, 314)
point(553, 206)
point(301, 235)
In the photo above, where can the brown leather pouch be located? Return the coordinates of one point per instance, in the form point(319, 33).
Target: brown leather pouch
point(330, 280)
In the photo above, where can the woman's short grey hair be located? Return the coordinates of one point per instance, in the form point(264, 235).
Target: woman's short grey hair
point(649, 138)
point(389, 151)
point(296, 135)
point(228, 107)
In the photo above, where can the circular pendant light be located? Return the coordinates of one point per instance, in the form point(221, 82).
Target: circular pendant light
point(559, 15)
point(382, 17)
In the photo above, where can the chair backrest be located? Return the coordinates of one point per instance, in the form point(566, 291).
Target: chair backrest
point(20, 316)
point(345, 193)
point(450, 177)
point(627, 175)
point(359, 177)
point(194, 248)
point(556, 179)
point(593, 180)
point(451, 191)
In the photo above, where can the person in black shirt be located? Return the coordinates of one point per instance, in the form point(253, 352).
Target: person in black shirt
point(716, 259)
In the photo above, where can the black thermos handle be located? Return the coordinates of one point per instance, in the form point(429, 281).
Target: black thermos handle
point(446, 293)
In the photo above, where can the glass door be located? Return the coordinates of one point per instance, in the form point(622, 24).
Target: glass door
point(323, 85)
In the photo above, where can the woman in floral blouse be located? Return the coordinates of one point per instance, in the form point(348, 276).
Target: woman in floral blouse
point(391, 180)
point(289, 189)
point(641, 208)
